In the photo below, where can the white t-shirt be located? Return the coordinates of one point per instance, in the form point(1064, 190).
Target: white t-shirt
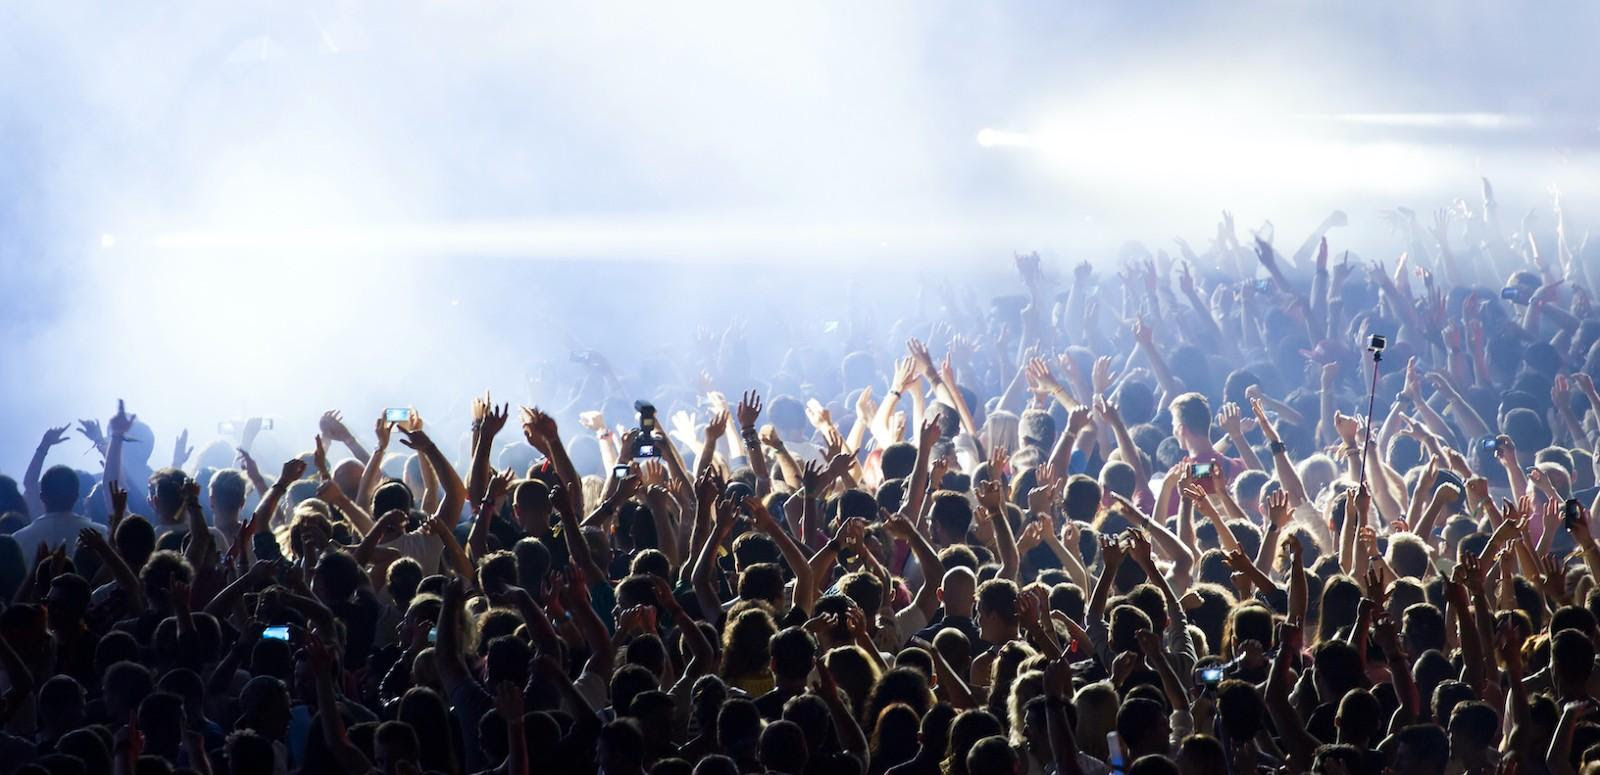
point(419, 545)
point(53, 530)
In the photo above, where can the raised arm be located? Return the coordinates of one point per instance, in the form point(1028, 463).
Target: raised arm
point(991, 499)
point(851, 738)
point(1058, 698)
point(1298, 743)
point(1282, 465)
point(805, 587)
point(927, 597)
point(331, 492)
point(30, 477)
point(332, 427)
point(449, 481)
point(348, 756)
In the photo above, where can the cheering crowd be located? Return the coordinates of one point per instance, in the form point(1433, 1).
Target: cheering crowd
point(1229, 511)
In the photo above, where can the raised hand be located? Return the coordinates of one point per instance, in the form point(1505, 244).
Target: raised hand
point(332, 426)
point(717, 426)
point(1111, 552)
point(1139, 548)
point(1038, 372)
point(500, 485)
point(1144, 333)
point(749, 410)
point(293, 469)
point(119, 502)
point(595, 421)
point(1231, 419)
point(494, 420)
point(413, 425)
point(818, 415)
point(121, 422)
point(181, 450)
point(1278, 508)
point(91, 431)
point(383, 429)
point(905, 375)
point(991, 495)
point(866, 407)
point(922, 360)
point(319, 457)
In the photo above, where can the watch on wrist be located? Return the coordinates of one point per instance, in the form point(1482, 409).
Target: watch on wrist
point(1278, 447)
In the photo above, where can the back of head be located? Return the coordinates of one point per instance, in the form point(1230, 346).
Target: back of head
point(951, 513)
point(1571, 658)
point(899, 460)
point(58, 489)
point(166, 491)
point(1137, 718)
point(783, 747)
point(1423, 748)
point(1240, 708)
point(1191, 413)
point(992, 756)
point(228, 488)
point(793, 652)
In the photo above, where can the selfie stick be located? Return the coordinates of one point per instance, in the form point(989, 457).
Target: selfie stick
point(1372, 399)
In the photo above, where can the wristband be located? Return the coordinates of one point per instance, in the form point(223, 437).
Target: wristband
point(1278, 447)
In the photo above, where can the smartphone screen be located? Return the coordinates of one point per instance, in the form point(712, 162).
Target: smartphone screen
point(280, 632)
point(619, 471)
point(397, 414)
point(1116, 755)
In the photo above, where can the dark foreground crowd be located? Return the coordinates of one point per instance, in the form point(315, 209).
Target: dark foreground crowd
point(1141, 523)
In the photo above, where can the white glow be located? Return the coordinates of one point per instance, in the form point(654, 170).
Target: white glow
point(1158, 139)
point(1427, 120)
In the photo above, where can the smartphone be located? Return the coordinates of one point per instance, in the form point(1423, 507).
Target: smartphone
point(1116, 753)
point(266, 424)
point(620, 470)
point(1202, 470)
point(1490, 443)
point(1210, 677)
point(280, 632)
point(1569, 513)
point(1263, 285)
point(433, 634)
point(397, 414)
point(1515, 294)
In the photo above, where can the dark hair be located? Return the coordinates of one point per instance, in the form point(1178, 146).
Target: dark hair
point(58, 489)
point(898, 460)
point(952, 512)
point(793, 652)
point(783, 747)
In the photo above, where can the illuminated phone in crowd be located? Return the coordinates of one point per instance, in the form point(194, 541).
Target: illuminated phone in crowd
point(397, 414)
point(280, 632)
point(1116, 754)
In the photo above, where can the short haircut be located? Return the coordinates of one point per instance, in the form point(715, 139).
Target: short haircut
point(58, 489)
point(1191, 412)
point(999, 597)
point(952, 512)
point(898, 460)
point(228, 488)
point(793, 652)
